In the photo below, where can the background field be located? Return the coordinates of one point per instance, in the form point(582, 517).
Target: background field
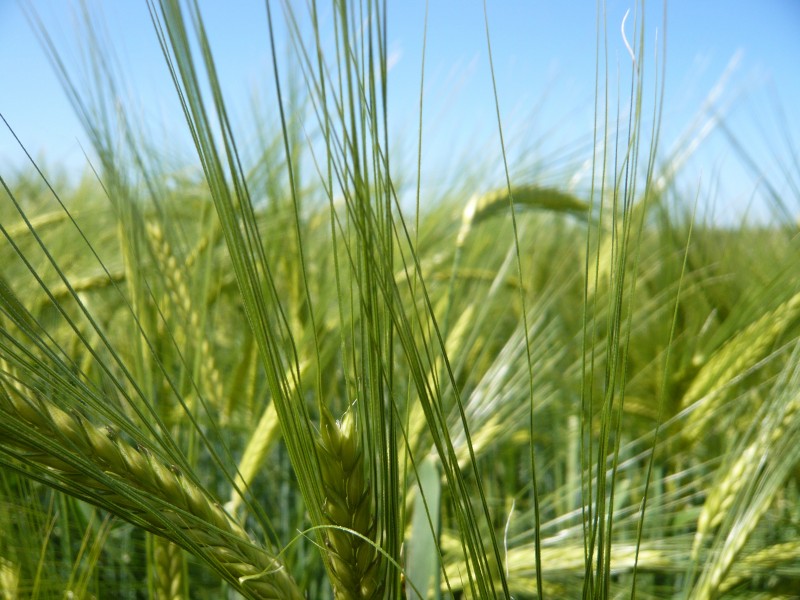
point(281, 368)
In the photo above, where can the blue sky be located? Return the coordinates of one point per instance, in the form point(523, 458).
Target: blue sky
point(544, 57)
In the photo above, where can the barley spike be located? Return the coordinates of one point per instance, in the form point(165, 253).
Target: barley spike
point(354, 564)
point(95, 465)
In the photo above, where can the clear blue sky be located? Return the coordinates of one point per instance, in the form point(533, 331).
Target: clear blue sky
point(544, 55)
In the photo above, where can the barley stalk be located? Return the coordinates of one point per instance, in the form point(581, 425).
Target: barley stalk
point(265, 434)
point(354, 563)
point(97, 466)
point(261, 441)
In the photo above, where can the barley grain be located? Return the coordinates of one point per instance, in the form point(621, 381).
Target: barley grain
point(354, 563)
point(9, 579)
point(97, 466)
point(531, 196)
point(749, 487)
point(168, 569)
point(733, 359)
point(179, 296)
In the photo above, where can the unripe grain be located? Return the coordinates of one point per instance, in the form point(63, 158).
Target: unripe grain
point(354, 563)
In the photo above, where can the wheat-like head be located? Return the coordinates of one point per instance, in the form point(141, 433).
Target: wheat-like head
point(180, 297)
point(169, 570)
point(354, 563)
point(96, 465)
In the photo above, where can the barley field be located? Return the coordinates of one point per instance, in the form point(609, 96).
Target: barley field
point(266, 375)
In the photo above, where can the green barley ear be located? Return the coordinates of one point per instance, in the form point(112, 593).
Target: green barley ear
point(354, 563)
point(94, 464)
point(9, 578)
point(168, 569)
point(527, 196)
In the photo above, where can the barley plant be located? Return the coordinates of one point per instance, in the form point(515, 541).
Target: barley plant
point(264, 374)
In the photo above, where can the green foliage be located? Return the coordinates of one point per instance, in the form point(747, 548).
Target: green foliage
point(542, 394)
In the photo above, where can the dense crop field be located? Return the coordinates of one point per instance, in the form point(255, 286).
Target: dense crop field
point(268, 377)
